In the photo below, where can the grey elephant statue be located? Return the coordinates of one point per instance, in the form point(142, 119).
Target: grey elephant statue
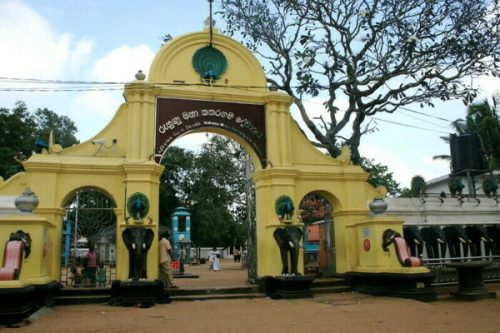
point(457, 238)
point(434, 241)
point(477, 235)
point(493, 232)
point(413, 238)
point(288, 240)
point(138, 242)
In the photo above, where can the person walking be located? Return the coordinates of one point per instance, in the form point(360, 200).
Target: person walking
point(211, 258)
point(217, 257)
point(165, 258)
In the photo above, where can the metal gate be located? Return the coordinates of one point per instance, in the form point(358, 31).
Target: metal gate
point(89, 220)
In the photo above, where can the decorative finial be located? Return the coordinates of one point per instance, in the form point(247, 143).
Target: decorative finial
point(140, 75)
point(26, 202)
point(378, 206)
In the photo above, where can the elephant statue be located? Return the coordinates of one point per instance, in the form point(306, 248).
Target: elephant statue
point(288, 240)
point(388, 238)
point(493, 233)
point(413, 238)
point(477, 235)
point(434, 240)
point(23, 237)
point(138, 242)
point(405, 259)
point(456, 238)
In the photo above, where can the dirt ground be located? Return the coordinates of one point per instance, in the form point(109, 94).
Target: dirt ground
point(338, 312)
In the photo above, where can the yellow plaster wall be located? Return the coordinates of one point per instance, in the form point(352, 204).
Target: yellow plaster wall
point(295, 166)
point(174, 62)
point(375, 259)
point(35, 268)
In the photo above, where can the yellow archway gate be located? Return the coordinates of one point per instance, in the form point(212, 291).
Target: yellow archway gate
point(188, 91)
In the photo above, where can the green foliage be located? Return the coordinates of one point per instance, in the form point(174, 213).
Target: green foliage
point(417, 186)
point(379, 56)
point(211, 184)
point(483, 119)
point(490, 185)
point(20, 129)
point(380, 175)
point(63, 127)
point(175, 182)
point(455, 185)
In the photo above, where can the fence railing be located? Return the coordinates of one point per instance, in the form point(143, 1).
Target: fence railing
point(446, 274)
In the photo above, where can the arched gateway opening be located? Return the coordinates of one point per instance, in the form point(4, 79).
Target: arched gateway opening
point(89, 222)
point(208, 175)
point(202, 81)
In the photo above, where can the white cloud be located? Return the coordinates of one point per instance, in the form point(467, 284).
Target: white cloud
point(122, 63)
point(30, 48)
point(489, 86)
point(95, 109)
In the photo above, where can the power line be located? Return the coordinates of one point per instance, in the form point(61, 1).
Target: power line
point(28, 80)
point(411, 126)
point(423, 120)
point(58, 89)
point(424, 114)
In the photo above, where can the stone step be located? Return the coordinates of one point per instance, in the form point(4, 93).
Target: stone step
point(68, 296)
point(81, 299)
point(214, 291)
point(207, 297)
point(330, 289)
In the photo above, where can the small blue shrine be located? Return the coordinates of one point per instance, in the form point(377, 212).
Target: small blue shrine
point(181, 235)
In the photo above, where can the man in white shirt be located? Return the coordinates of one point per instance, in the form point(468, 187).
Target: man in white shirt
point(165, 257)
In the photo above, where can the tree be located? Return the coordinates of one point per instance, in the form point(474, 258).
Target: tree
point(211, 184)
point(20, 129)
point(483, 119)
point(380, 175)
point(63, 127)
point(175, 182)
point(218, 194)
point(17, 128)
point(379, 55)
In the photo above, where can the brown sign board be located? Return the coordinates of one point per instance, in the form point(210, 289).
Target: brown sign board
point(175, 117)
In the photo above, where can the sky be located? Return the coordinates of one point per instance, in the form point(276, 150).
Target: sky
point(109, 40)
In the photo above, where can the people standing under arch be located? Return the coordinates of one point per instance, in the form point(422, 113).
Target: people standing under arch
point(237, 255)
point(91, 265)
point(165, 258)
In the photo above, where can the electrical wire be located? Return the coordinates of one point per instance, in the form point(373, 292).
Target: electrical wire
point(117, 85)
point(422, 120)
point(411, 126)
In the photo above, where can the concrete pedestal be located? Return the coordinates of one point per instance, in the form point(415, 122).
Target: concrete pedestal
point(416, 286)
point(287, 287)
point(138, 293)
point(470, 281)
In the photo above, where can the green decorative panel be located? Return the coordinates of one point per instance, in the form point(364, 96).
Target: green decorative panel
point(138, 206)
point(209, 62)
